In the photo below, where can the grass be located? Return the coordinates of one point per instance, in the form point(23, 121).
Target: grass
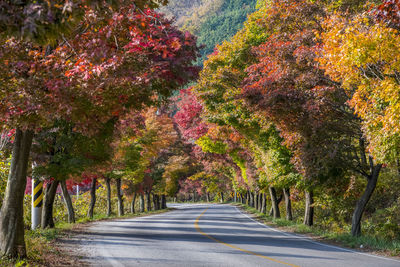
point(345, 239)
point(41, 244)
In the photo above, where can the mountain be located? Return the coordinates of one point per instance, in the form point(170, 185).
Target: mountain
point(212, 21)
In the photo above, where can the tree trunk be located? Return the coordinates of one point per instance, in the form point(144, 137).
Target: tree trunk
point(92, 198)
point(12, 241)
point(120, 198)
point(256, 195)
point(309, 210)
point(133, 203)
point(156, 202)
point(68, 202)
point(251, 199)
point(274, 203)
point(141, 202)
point(243, 199)
point(260, 201)
point(163, 202)
point(263, 204)
point(271, 211)
point(222, 197)
point(248, 198)
point(148, 202)
point(208, 197)
point(288, 204)
point(108, 185)
point(47, 215)
point(362, 202)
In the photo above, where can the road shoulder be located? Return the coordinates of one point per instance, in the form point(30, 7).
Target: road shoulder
point(61, 246)
point(312, 237)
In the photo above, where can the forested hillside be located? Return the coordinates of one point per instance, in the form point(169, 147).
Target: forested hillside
point(212, 21)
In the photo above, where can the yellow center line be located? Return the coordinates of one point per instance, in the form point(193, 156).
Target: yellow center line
point(196, 225)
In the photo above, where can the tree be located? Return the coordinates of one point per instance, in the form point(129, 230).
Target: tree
point(142, 154)
point(87, 83)
point(362, 57)
point(188, 117)
point(220, 89)
point(43, 21)
point(388, 13)
point(61, 153)
point(287, 88)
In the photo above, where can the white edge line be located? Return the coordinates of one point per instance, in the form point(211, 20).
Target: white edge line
point(312, 241)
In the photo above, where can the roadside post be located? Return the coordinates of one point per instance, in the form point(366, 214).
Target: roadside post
point(37, 202)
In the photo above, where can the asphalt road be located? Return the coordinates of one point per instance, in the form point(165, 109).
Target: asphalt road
point(210, 235)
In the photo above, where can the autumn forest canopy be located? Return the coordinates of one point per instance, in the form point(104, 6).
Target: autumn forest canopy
point(291, 107)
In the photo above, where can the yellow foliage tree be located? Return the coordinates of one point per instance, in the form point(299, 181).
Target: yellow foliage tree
point(364, 57)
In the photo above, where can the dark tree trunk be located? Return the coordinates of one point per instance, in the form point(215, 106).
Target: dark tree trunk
point(248, 198)
point(158, 202)
point(68, 202)
point(163, 202)
point(263, 204)
point(222, 197)
point(153, 197)
point(92, 198)
point(148, 202)
point(256, 200)
point(208, 197)
point(271, 211)
point(155, 202)
point(47, 215)
point(12, 240)
point(260, 202)
point(274, 203)
point(108, 185)
point(141, 202)
point(362, 202)
point(120, 198)
point(288, 204)
point(309, 210)
point(133, 203)
point(251, 199)
point(243, 199)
